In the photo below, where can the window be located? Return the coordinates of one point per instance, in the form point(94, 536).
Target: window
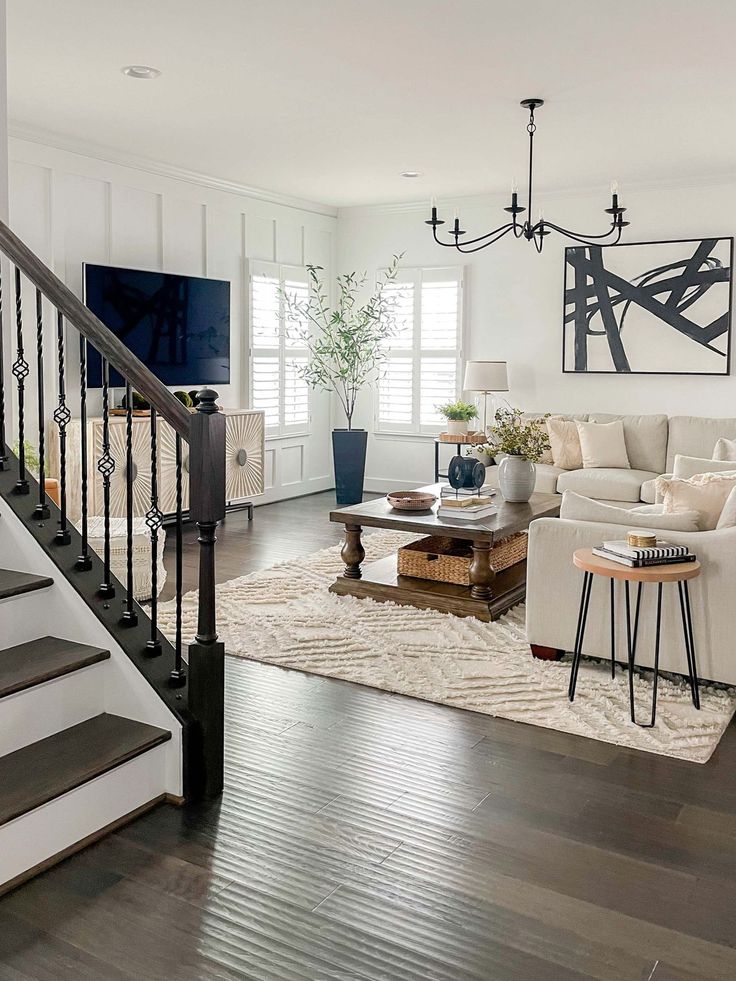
point(422, 369)
point(276, 354)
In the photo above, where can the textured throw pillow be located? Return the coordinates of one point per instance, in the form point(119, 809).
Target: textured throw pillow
point(728, 514)
point(575, 507)
point(688, 466)
point(705, 492)
point(565, 443)
point(725, 449)
point(602, 445)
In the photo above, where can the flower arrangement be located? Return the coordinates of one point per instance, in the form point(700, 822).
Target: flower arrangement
point(514, 436)
point(458, 411)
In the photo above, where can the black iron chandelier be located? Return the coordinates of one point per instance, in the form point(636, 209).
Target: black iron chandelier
point(531, 232)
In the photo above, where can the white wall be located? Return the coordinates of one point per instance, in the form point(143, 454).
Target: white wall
point(70, 207)
point(513, 306)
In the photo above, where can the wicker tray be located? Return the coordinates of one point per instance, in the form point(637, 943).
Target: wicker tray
point(448, 559)
point(463, 438)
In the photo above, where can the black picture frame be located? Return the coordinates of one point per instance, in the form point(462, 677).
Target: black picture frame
point(591, 261)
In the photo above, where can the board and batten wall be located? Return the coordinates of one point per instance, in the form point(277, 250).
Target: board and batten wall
point(513, 305)
point(72, 208)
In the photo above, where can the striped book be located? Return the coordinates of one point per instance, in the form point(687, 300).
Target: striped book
point(662, 550)
point(639, 563)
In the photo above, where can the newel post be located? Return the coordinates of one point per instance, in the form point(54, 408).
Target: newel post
point(207, 655)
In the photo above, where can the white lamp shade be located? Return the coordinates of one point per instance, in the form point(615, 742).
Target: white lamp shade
point(486, 376)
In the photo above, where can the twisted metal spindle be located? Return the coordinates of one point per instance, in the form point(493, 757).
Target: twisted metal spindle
point(179, 675)
point(4, 462)
point(84, 561)
point(154, 520)
point(62, 418)
point(42, 511)
point(106, 468)
point(20, 371)
point(129, 617)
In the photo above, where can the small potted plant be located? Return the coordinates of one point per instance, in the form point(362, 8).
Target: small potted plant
point(522, 442)
point(458, 415)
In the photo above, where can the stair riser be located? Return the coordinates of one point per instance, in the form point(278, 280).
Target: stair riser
point(24, 617)
point(38, 712)
point(47, 831)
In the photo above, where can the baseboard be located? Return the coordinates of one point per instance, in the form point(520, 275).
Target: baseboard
point(303, 489)
point(96, 836)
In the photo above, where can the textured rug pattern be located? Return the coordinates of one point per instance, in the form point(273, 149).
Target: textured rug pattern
point(286, 616)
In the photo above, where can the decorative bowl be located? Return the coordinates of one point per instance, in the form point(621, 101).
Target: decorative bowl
point(410, 500)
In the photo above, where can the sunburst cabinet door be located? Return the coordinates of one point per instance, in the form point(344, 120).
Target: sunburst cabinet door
point(244, 455)
point(167, 463)
point(141, 444)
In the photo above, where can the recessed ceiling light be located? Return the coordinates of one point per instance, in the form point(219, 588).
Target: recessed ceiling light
point(140, 71)
point(410, 173)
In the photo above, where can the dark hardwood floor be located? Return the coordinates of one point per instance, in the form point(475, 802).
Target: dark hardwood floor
point(364, 835)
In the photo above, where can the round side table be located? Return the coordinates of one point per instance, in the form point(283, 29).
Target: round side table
point(677, 572)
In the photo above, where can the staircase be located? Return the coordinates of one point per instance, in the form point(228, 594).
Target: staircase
point(101, 716)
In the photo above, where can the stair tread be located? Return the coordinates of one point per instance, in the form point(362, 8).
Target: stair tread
point(16, 583)
point(37, 774)
point(37, 661)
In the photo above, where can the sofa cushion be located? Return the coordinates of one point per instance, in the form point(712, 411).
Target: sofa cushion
point(645, 437)
point(605, 483)
point(602, 444)
point(575, 507)
point(697, 436)
point(688, 466)
point(705, 492)
point(547, 457)
point(725, 449)
point(728, 514)
point(648, 492)
point(565, 444)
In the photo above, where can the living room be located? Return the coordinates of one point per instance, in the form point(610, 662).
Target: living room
point(300, 717)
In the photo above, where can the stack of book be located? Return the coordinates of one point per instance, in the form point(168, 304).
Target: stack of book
point(635, 556)
point(465, 504)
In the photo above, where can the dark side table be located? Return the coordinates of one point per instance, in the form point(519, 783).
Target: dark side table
point(679, 572)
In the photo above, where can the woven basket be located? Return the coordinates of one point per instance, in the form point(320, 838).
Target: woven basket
point(448, 559)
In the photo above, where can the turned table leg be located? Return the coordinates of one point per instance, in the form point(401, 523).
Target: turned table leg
point(481, 572)
point(352, 552)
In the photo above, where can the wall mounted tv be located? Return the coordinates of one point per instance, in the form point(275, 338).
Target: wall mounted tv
point(179, 326)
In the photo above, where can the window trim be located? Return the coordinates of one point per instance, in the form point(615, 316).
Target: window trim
point(281, 272)
point(415, 274)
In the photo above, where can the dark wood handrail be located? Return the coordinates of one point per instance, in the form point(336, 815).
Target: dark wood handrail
point(101, 337)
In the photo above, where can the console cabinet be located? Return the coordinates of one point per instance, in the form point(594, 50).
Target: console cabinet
point(244, 462)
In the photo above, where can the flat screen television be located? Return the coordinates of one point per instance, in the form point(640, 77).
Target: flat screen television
point(179, 326)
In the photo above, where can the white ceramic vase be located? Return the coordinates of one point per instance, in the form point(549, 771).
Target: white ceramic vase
point(457, 427)
point(516, 478)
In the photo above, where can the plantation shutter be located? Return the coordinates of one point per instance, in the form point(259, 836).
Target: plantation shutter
point(424, 353)
point(278, 349)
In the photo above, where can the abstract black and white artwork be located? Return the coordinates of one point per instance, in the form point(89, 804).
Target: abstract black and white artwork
point(649, 308)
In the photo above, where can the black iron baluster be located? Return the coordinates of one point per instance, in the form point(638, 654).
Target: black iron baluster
point(42, 511)
point(179, 675)
point(154, 520)
point(129, 617)
point(84, 561)
point(62, 418)
point(106, 468)
point(4, 463)
point(20, 371)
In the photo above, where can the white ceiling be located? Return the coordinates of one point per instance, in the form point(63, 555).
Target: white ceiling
point(330, 99)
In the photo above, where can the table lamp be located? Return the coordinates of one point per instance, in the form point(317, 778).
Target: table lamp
point(486, 377)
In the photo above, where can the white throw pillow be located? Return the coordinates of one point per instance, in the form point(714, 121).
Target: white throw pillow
point(565, 443)
point(688, 466)
point(728, 514)
point(602, 444)
point(575, 507)
point(705, 492)
point(725, 449)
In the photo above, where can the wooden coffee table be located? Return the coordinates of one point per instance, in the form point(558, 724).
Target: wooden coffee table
point(488, 596)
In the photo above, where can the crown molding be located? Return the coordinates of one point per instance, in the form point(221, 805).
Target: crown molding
point(87, 148)
point(492, 199)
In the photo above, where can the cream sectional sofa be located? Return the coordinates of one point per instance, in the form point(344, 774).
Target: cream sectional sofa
point(553, 583)
point(651, 443)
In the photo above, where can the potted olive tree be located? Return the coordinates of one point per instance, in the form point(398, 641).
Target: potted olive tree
point(347, 346)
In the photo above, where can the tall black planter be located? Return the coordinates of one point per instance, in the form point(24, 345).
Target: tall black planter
point(348, 451)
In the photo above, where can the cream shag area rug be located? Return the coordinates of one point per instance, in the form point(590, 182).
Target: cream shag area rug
point(286, 616)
